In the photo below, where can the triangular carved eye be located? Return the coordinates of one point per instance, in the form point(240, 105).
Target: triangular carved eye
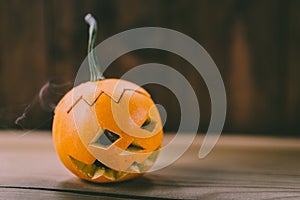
point(106, 139)
point(149, 125)
point(133, 147)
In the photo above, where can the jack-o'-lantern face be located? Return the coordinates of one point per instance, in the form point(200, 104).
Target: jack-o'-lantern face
point(107, 130)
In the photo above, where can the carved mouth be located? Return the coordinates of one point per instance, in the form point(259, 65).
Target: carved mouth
point(98, 169)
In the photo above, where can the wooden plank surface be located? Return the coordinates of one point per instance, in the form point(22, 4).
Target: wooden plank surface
point(239, 167)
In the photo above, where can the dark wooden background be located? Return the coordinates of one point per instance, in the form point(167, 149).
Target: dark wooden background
point(255, 45)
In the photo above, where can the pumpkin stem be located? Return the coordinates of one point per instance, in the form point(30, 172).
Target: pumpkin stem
point(95, 73)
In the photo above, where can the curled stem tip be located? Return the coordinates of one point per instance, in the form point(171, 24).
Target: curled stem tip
point(95, 73)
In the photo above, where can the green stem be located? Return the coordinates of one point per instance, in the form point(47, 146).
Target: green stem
point(93, 64)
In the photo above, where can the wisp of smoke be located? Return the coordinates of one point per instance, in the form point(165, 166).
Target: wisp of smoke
point(39, 112)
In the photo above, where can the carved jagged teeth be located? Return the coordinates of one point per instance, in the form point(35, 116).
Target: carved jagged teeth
point(109, 173)
point(78, 164)
point(89, 170)
point(99, 172)
point(92, 171)
point(118, 175)
point(135, 168)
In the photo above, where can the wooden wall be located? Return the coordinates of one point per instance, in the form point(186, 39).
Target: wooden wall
point(255, 45)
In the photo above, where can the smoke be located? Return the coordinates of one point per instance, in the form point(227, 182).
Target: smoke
point(39, 112)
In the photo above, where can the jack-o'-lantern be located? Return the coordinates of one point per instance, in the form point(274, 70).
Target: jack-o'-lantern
point(106, 130)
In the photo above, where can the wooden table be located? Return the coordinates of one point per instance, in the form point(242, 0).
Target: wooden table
point(239, 167)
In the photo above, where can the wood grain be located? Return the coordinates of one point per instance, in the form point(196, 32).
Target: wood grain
point(255, 45)
point(239, 167)
point(23, 65)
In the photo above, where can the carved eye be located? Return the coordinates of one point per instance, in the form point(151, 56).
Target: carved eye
point(133, 147)
point(149, 124)
point(106, 139)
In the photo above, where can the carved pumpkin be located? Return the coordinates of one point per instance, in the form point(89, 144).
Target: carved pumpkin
point(107, 130)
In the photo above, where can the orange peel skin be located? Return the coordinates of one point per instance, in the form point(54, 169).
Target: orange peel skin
point(97, 140)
